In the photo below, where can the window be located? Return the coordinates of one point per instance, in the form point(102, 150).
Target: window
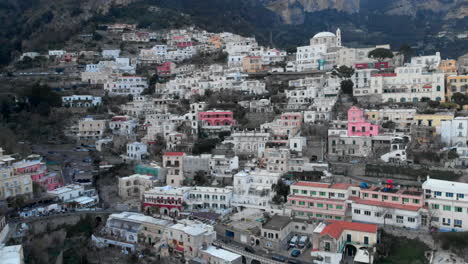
point(311, 204)
point(318, 215)
point(327, 246)
point(293, 202)
point(405, 200)
point(295, 190)
point(460, 195)
point(416, 201)
point(447, 207)
point(313, 193)
point(384, 197)
point(457, 223)
point(447, 194)
point(365, 195)
point(411, 219)
point(394, 198)
point(301, 203)
point(446, 221)
point(304, 192)
point(438, 193)
point(323, 193)
point(348, 238)
point(320, 205)
point(388, 216)
point(367, 213)
point(458, 209)
point(357, 211)
point(399, 219)
point(339, 207)
point(435, 206)
point(377, 214)
point(375, 196)
point(341, 195)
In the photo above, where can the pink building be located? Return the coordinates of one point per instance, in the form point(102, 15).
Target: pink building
point(38, 171)
point(165, 69)
point(216, 118)
point(358, 124)
point(321, 200)
point(184, 44)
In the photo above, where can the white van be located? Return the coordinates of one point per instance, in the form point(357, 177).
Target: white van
point(293, 241)
point(303, 241)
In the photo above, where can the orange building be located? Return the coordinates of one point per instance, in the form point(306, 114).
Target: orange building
point(252, 64)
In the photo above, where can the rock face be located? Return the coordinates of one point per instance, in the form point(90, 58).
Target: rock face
point(294, 11)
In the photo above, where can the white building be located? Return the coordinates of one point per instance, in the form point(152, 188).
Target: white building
point(254, 188)
point(126, 85)
point(81, 101)
point(447, 204)
point(123, 125)
point(430, 62)
point(11, 254)
point(136, 151)
point(210, 199)
point(455, 132)
point(111, 54)
point(408, 84)
point(215, 255)
point(248, 142)
point(57, 53)
point(321, 54)
point(68, 192)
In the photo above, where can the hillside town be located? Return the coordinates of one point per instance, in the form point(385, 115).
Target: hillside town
point(187, 146)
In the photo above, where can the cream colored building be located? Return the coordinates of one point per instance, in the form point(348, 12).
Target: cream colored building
point(91, 129)
point(173, 162)
point(10, 184)
point(135, 185)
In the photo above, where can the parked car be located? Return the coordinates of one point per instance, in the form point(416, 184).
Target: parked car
point(295, 253)
point(303, 241)
point(293, 241)
point(278, 258)
point(294, 261)
point(249, 249)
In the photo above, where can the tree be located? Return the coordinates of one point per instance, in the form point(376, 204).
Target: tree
point(200, 178)
point(282, 191)
point(347, 86)
point(380, 54)
point(460, 99)
point(406, 51)
point(343, 72)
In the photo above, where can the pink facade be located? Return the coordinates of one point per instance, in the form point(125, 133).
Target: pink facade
point(217, 118)
point(400, 199)
point(165, 68)
point(184, 44)
point(38, 172)
point(358, 124)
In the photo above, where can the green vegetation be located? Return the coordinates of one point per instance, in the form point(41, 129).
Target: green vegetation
point(399, 250)
point(380, 54)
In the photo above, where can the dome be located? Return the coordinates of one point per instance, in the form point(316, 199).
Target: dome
point(324, 34)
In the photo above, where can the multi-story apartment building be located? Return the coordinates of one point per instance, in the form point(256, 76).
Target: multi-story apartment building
point(12, 184)
point(127, 85)
point(448, 67)
point(408, 84)
point(79, 101)
point(252, 64)
point(289, 124)
point(430, 62)
point(210, 199)
point(345, 146)
point(433, 120)
point(403, 118)
point(136, 151)
point(91, 129)
point(222, 167)
point(248, 142)
point(123, 125)
point(254, 188)
point(165, 200)
point(389, 206)
point(456, 84)
point(216, 119)
point(455, 132)
point(362, 81)
point(358, 124)
point(321, 200)
point(37, 169)
point(276, 160)
point(447, 204)
point(188, 237)
point(174, 163)
point(321, 54)
point(134, 186)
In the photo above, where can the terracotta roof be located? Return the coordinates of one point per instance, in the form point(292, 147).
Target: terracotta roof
point(335, 228)
point(174, 154)
point(384, 204)
point(343, 186)
point(311, 184)
point(310, 198)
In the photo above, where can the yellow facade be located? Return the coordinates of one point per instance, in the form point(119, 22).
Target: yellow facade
point(432, 120)
point(252, 64)
point(448, 66)
point(456, 84)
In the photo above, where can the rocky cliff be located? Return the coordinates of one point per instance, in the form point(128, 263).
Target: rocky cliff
point(294, 11)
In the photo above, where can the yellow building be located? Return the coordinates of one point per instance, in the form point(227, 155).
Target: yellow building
point(252, 64)
point(456, 84)
point(448, 67)
point(433, 120)
point(12, 184)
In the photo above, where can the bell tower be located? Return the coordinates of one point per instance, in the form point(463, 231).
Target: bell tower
point(338, 37)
